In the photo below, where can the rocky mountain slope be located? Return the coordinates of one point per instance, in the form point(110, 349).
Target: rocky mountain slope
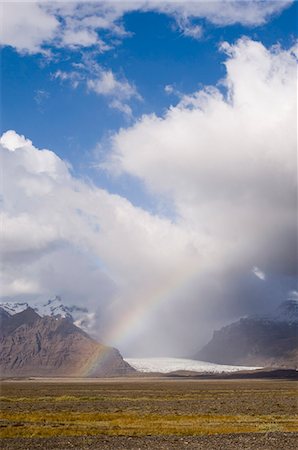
point(270, 340)
point(31, 345)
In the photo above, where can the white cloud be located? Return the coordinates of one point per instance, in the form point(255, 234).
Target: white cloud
point(194, 31)
point(169, 89)
point(186, 26)
point(74, 77)
point(107, 84)
point(26, 26)
point(258, 273)
point(31, 26)
point(103, 82)
point(223, 12)
point(41, 95)
point(79, 38)
point(122, 107)
point(227, 164)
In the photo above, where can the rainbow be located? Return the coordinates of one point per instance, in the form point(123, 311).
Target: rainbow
point(131, 319)
point(149, 303)
point(93, 362)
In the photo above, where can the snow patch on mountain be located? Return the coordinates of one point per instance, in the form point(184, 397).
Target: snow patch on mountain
point(13, 308)
point(81, 317)
point(167, 365)
point(288, 310)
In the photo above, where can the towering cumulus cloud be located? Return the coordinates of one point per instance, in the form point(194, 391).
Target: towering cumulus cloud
point(223, 159)
point(226, 158)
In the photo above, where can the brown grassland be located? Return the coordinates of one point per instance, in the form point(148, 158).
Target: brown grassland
point(105, 413)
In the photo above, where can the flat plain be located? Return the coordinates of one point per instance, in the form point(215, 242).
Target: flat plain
point(149, 413)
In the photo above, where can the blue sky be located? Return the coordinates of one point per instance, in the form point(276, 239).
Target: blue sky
point(72, 121)
point(149, 153)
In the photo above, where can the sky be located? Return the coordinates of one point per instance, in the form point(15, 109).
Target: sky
point(149, 167)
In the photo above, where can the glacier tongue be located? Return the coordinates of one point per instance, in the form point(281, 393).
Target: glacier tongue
point(167, 365)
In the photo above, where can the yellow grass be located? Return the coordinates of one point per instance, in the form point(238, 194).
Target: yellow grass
point(47, 424)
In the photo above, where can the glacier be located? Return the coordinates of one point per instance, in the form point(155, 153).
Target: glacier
point(167, 365)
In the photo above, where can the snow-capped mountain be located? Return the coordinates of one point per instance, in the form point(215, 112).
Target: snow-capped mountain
point(13, 308)
point(81, 317)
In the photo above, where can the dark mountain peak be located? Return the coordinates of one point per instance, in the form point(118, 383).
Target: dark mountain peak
point(27, 316)
point(11, 323)
point(270, 340)
point(53, 346)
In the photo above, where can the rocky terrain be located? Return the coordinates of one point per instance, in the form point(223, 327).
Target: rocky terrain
point(245, 441)
point(270, 340)
point(31, 345)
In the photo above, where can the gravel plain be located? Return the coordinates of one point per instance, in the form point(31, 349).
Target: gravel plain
point(270, 441)
point(149, 414)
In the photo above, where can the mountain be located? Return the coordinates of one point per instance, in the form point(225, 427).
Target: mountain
point(31, 345)
point(81, 317)
point(270, 340)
